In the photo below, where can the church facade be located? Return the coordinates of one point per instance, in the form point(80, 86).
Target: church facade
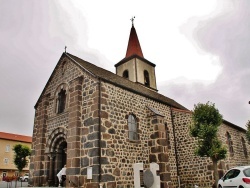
point(101, 124)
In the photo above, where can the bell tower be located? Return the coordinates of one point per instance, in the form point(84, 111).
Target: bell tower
point(134, 66)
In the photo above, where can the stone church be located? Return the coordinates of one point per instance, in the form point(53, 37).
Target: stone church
point(103, 125)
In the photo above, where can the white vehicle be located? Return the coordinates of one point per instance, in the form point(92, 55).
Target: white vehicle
point(24, 178)
point(238, 177)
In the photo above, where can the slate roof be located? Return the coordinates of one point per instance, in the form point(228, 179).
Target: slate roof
point(234, 126)
point(124, 83)
point(156, 112)
point(15, 137)
point(126, 59)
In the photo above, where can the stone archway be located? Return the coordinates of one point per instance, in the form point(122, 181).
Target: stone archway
point(56, 148)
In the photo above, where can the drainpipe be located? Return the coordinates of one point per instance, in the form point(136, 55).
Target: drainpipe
point(175, 148)
point(99, 130)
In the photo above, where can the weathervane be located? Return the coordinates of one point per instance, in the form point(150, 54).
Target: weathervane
point(65, 48)
point(132, 20)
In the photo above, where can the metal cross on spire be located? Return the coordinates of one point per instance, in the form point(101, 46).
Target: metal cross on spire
point(132, 20)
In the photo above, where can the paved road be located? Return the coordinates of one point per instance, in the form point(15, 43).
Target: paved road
point(4, 184)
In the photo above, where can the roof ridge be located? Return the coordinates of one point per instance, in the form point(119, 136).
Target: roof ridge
point(124, 83)
point(68, 54)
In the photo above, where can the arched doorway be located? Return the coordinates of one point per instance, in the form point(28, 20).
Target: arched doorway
point(60, 159)
point(62, 154)
point(57, 150)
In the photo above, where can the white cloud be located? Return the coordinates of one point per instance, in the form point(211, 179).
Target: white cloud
point(185, 39)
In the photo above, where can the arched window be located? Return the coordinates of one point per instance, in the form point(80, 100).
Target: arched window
point(146, 78)
point(167, 134)
point(61, 101)
point(244, 147)
point(125, 74)
point(230, 144)
point(132, 128)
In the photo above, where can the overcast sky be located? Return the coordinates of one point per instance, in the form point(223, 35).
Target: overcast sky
point(200, 49)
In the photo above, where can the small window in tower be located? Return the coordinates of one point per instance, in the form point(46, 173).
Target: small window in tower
point(125, 74)
point(146, 78)
point(61, 101)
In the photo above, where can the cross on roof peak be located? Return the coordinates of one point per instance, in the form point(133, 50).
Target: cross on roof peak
point(132, 20)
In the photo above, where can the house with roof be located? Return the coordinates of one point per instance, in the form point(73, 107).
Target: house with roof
point(7, 142)
point(112, 129)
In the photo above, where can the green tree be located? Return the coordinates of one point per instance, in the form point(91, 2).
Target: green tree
point(206, 120)
point(21, 153)
point(248, 131)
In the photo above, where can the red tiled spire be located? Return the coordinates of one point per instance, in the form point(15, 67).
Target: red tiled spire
point(133, 44)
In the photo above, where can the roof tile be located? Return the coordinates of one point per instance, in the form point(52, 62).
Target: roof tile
point(15, 137)
point(134, 46)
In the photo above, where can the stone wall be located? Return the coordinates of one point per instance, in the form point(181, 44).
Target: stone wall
point(195, 170)
point(37, 165)
point(238, 157)
point(46, 119)
point(97, 135)
point(90, 142)
point(120, 153)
